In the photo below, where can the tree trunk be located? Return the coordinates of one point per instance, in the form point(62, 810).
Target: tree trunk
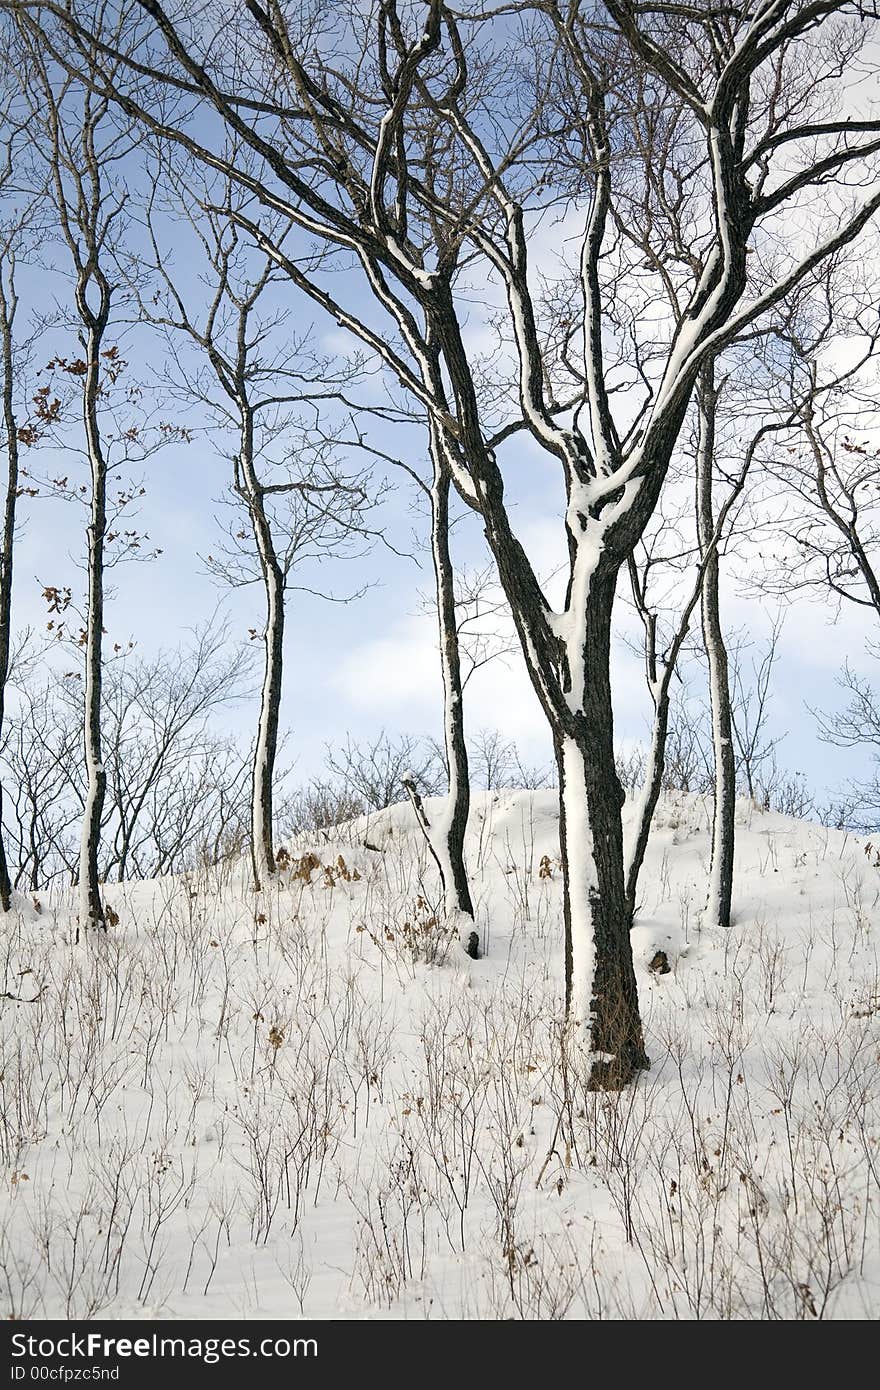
point(266, 749)
point(723, 831)
point(445, 834)
point(647, 803)
point(10, 430)
point(262, 824)
point(449, 830)
point(600, 983)
point(91, 910)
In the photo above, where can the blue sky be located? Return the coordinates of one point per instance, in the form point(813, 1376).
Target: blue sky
point(371, 665)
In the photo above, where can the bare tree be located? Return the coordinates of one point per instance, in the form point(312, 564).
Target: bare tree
point(85, 220)
point(444, 833)
point(303, 506)
point(710, 461)
point(662, 652)
point(721, 863)
point(425, 144)
point(828, 473)
point(176, 788)
point(157, 722)
point(751, 698)
point(494, 759)
point(77, 138)
point(756, 393)
point(823, 500)
point(375, 772)
point(857, 725)
point(319, 807)
point(16, 427)
point(41, 757)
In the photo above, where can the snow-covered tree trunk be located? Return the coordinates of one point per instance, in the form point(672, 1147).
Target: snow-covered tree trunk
point(91, 911)
point(445, 833)
point(10, 431)
point(266, 747)
point(267, 729)
point(601, 992)
point(650, 794)
point(454, 821)
point(723, 828)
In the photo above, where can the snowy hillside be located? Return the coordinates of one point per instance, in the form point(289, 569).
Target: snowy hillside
point(311, 1102)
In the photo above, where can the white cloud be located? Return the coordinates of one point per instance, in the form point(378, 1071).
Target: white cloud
point(396, 678)
point(394, 672)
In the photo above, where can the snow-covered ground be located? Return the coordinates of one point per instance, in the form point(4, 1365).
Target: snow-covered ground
point(310, 1102)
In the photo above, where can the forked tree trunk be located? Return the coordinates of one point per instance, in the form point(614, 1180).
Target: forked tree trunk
point(91, 911)
point(601, 990)
point(717, 912)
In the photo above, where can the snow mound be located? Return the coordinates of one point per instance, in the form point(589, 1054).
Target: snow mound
point(309, 1101)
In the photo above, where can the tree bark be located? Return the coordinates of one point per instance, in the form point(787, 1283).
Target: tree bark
point(600, 983)
point(647, 803)
point(449, 831)
point(445, 834)
point(10, 429)
point(266, 749)
point(91, 909)
point(659, 687)
point(267, 730)
point(718, 903)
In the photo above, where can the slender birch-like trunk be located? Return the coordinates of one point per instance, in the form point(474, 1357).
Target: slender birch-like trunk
point(265, 753)
point(650, 795)
point(91, 911)
point(717, 911)
point(10, 430)
point(266, 749)
point(659, 671)
point(88, 221)
point(445, 834)
point(449, 831)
